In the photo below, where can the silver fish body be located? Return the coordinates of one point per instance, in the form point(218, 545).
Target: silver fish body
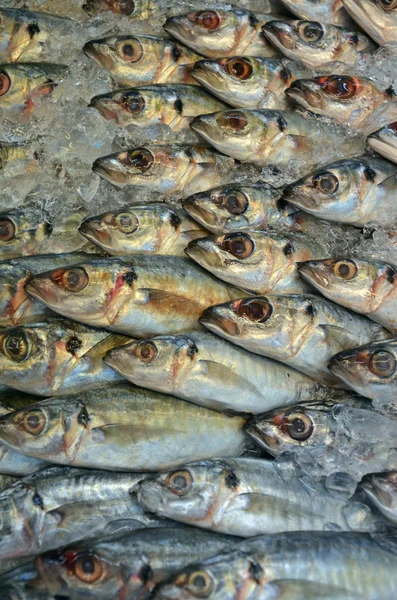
point(381, 491)
point(218, 33)
point(365, 286)
point(249, 81)
point(285, 142)
point(139, 296)
point(249, 497)
point(259, 261)
point(16, 306)
point(204, 369)
point(236, 207)
point(318, 44)
point(128, 566)
point(320, 557)
point(342, 434)
point(162, 104)
point(155, 228)
point(324, 11)
point(56, 357)
point(165, 169)
point(122, 428)
point(302, 331)
point(356, 191)
point(129, 59)
point(353, 101)
point(378, 19)
point(385, 142)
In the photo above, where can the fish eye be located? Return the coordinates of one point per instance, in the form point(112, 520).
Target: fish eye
point(298, 426)
point(7, 230)
point(133, 103)
point(200, 584)
point(16, 346)
point(240, 68)
point(123, 7)
point(311, 31)
point(257, 310)
point(234, 120)
point(239, 245)
point(88, 568)
point(346, 269)
point(180, 482)
point(235, 202)
point(207, 19)
point(130, 50)
point(387, 4)
point(72, 280)
point(383, 364)
point(342, 87)
point(5, 83)
point(141, 159)
point(146, 352)
point(326, 183)
point(126, 222)
point(34, 422)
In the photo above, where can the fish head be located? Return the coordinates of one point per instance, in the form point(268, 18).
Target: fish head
point(21, 230)
point(52, 427)
point(384, 141)
point(211, 31)
point(381, 490)
point(377, 17)
point(339, 188)
point(24, 356)
point(370, 369)
point(21, 36)
point(138, 166)
point(317, 10)
point(231, 207)
point(126, 107)
point(361, 285)
point(234, 132)
point(120, 7)
point(133, 230)
point(13, 297)
point(191, 493)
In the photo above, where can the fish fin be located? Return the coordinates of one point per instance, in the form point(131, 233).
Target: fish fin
point(389, 183)
point(218, 371)
point(111, 341)
point(339, 338)
point(164, 300)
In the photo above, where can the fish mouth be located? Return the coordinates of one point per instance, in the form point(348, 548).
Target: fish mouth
point(198, 212)
point(94, 232)
point(311, 275)
point(113, 361)
point(376, 495)
point(303, 94)
point(278, 31)
point(202, 128)
point(98, 51)
point(217, 322)
point(206, 74)
point(340, 368)
point(105, 106)
point(173, 26)
point(111, 170)
point(198, 252)
point(265, 440)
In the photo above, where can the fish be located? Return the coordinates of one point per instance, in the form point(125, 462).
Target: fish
point(128, 566)
point(381, 490)
point(23, 84)
point(355, 191)
point(16, 306)
point(353, 101)
point(249, 81)
point(202, 368)
point(283, 141)
point(155, 228)
point(318, 44)
point(61, 505)
point(129, 59)
point(378, 19)
point(324, 11)
point(122, 428)
point(220, 33)
point(370, 370)
point(138, 296)
point(258, 261)
point(365, 286)
point(164, 169)
point(56, 357)
point(236, 207)
point(18, 159)
point(385, 141)
point(25, 35)
point(356, 564)
point(133, 9)
point(249, 497)
point(341, 434)
point(28, 230)
point(299, 330)
point(174, 105)
point(299, 589)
